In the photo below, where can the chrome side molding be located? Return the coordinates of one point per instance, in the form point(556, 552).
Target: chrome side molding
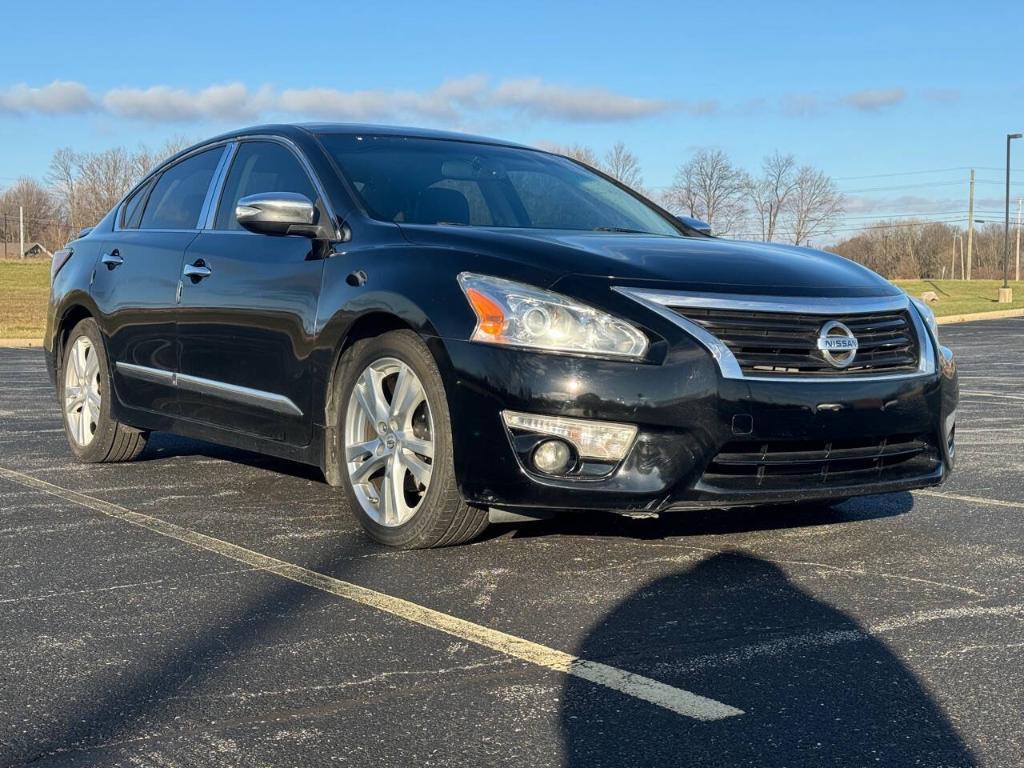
point(233, 392)
point(661, 302)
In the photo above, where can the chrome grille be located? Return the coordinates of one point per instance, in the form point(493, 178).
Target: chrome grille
point(785, 343)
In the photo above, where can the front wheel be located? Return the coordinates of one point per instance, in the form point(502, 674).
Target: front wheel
point(396, 448)
point(85, 397)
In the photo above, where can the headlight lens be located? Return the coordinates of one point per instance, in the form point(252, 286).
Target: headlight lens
point(523, 316)
point(928, 316)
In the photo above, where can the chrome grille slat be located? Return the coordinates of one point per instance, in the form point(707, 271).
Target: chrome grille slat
point(766, 343)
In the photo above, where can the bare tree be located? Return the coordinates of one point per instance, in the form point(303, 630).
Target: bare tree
point(30, 201)
point(814, 207)
point(711, 188)
point(62, 179)
point(146, 159)
point(579, 152)
point(771, 192)
point(622, 164)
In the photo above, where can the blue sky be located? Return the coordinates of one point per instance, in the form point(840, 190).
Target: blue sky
point(857, 89)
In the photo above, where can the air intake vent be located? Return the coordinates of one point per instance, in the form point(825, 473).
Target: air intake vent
point(749, 465)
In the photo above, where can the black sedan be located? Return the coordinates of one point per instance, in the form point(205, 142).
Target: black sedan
point(456, 328)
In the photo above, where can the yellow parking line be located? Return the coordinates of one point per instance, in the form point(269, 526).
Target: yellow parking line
point(677, 700)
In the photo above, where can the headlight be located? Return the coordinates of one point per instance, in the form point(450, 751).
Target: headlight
point(523, 316)
point(928, 316)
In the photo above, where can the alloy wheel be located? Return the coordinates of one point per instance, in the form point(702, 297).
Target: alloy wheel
point(389, 445)
point(82, 391)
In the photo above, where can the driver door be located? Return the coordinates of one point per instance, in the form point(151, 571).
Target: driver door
point(247, 314)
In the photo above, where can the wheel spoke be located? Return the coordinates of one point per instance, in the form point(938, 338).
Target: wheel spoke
point(371, 398)
point(361, 450)
point(394, 482)
point(72, 396)
point(92, 364)
point(93, 398)
point(388, 501)
point(364, 471)
point(422, 447)
point(408, 394)
point(78, 358)
point(418, 468)
point(83, 424)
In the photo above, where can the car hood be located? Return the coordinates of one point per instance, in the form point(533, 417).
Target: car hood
point(700, 264)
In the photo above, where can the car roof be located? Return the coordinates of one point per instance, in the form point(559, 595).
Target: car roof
point(361, 129)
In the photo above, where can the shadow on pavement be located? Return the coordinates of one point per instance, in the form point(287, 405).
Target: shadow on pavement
point(712, 521)
point(815, 688)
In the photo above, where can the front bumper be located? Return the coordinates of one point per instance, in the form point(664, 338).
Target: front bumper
point(687, 413)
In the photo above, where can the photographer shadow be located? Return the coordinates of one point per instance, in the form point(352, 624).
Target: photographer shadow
point(815, 688)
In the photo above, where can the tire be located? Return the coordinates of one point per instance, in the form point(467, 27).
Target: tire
point(395, 446)
point(84, 393)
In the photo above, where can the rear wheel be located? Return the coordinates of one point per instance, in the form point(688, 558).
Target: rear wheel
point(397, 446)
point(92, 433)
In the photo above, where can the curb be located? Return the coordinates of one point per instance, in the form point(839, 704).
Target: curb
point(996, 315)
point(20, 343)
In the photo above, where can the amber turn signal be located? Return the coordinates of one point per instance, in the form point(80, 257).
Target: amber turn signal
point(490, 317)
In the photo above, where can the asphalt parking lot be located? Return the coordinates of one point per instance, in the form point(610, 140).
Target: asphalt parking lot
point(205, 606)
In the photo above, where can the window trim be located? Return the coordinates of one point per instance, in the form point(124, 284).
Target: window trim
point(159, 171)
point(144, 188)
point(220, 181)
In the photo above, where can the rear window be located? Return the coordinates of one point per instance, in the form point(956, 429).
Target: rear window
point(178, 196)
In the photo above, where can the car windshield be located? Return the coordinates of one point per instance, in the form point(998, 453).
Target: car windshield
point(442, 182)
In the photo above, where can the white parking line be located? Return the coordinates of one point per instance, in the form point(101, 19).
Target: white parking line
point(677, 700)
point(969, 393)
point(971, 499)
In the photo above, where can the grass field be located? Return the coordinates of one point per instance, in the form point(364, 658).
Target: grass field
point(24, 286)
point(957, 297)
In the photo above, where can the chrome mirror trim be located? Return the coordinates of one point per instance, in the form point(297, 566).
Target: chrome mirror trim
point(275, 211)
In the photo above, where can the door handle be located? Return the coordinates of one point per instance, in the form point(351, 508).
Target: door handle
point(112, 259)
point(197, 270)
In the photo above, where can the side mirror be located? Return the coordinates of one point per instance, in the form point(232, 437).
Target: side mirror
point(278, 213)
point(701, 226)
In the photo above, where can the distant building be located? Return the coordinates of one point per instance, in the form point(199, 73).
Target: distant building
point(34, 249)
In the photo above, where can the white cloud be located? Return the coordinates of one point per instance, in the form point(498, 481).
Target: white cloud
point(542, 99)
point(442, 103)
point(161, 103)
point(874, 99)
point(454, 101)
point(58, 98)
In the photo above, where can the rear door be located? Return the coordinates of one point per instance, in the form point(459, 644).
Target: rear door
point(137, 280)
point(246, 327)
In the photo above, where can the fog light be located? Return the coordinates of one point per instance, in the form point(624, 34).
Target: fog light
point(552, 457)
point(599, 440)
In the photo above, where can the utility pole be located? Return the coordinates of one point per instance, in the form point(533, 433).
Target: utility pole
point(1006, 293)
point(21, 230)
point(5, 234)
point(1020, 203)
point(970, 226)
point(958, 239)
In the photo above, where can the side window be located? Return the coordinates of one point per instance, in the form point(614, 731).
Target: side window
point(131, 213)
point(178, 195)
point(260, 166)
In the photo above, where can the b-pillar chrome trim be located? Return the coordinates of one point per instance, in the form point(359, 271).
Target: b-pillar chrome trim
point(661, 302)
point(233, 392)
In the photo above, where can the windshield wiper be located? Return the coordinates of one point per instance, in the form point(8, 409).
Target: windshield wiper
point(623, 230)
